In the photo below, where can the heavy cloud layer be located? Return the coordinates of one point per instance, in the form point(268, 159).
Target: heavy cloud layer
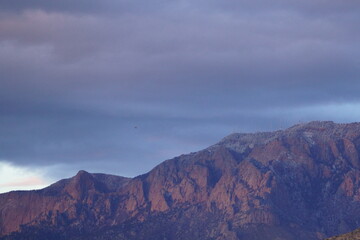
point(119, 86)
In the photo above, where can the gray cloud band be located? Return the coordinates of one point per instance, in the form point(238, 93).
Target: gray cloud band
point(76, 78)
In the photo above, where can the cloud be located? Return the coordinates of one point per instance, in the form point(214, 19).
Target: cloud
point(14, 177)
point(80, 6)
point(76, 77)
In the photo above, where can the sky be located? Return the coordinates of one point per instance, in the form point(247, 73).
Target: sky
point(118, 86)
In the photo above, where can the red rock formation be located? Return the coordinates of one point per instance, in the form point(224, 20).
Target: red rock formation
point(303, 181)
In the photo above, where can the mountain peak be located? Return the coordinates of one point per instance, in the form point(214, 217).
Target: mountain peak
point(83, 178)
point(82, 173)
point(240, 142)
point(299, 183)
point(81, 184)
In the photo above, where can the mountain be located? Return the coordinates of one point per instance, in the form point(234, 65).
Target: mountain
point(298, 183)
point(354, 235)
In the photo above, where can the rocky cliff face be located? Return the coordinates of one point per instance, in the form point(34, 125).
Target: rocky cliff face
point(300, 183)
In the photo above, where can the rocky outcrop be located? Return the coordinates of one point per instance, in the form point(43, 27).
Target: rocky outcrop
point(300, 183)
point(65, 202)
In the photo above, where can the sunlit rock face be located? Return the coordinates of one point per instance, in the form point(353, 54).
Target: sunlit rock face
point(300, 183)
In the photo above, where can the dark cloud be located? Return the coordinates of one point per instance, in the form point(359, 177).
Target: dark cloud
point(80, 6)
point(118, 86)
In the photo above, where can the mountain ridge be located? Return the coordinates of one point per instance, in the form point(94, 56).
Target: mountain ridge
point(298, 183)
point(354, 235)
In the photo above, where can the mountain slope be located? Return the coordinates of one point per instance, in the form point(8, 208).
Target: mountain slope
point(300, 183)
point(354, 235)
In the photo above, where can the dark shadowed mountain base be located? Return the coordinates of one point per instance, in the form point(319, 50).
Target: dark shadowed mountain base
point(185, 226)
point(296, 184)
